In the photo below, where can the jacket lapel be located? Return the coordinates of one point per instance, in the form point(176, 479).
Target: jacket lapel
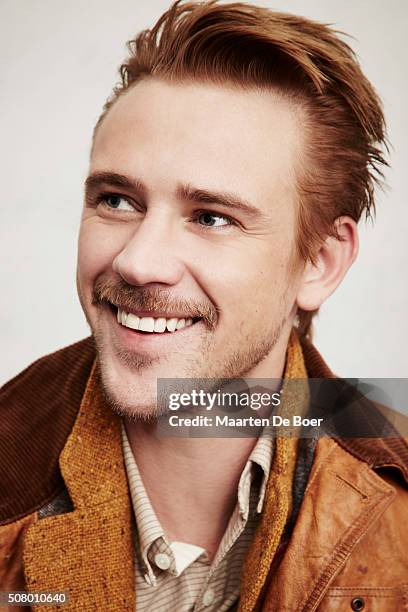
point(88, 552)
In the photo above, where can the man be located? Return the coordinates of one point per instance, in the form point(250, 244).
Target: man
point(227, 176)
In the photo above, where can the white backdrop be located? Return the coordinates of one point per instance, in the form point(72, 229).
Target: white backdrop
point(58, 64)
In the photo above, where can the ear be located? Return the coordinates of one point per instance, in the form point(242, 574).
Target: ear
point(334, 257)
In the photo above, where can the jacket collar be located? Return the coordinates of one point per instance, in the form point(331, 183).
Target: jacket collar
point(378, 452)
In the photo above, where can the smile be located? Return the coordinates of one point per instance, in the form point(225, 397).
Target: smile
point(156, 325)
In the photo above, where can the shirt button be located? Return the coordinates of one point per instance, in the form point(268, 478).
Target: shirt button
point(162, 561)
point(208, 597)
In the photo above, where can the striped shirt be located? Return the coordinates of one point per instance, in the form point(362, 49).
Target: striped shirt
point(175, 576)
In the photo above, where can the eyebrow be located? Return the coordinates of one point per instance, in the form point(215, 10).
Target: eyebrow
point(96, 179)
point(226, 199)
point(184, 192)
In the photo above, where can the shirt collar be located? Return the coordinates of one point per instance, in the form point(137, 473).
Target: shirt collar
point(261, 459)
point(149, 530)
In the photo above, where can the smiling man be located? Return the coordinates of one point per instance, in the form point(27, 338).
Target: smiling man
point(183, 221)
point(227, 176)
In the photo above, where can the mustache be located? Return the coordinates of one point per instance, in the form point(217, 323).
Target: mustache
point(130, 297)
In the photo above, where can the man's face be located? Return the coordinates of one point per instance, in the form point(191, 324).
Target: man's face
point(189, 215)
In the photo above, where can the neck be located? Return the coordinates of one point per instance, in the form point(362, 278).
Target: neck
point(192, 482)
point(192, 495)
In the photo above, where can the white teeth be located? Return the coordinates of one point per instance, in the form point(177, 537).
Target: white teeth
point(171, 324)
point(160, 325)
point(150, 324)
point(146, 324)
point(132, 321)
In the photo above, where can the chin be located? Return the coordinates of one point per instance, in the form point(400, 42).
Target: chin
point(129, 384)
point(130, 399)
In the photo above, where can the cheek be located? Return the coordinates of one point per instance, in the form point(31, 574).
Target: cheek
point(98, 246)
point(254, 266)
point(228, 278)
point(258, 291)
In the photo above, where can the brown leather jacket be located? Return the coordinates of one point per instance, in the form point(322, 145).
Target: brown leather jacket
point(65, 516)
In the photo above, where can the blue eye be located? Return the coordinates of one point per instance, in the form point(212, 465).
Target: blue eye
point(208, 219)
point(117, 202)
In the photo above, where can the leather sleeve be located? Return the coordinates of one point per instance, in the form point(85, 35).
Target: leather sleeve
point(11, 556)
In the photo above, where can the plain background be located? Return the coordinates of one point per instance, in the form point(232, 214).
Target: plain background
point(59, 62)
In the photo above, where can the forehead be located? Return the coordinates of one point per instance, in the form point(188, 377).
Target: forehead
point(212, 136)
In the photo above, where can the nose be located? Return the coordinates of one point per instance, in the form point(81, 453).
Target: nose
point(150, 254)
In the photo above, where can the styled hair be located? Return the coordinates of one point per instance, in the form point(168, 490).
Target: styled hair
point(305, 61)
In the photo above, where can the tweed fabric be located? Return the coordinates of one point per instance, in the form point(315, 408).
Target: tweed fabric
point(278, 499)
point(67, 552)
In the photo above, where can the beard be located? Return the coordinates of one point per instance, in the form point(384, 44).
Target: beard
point(208, 366)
